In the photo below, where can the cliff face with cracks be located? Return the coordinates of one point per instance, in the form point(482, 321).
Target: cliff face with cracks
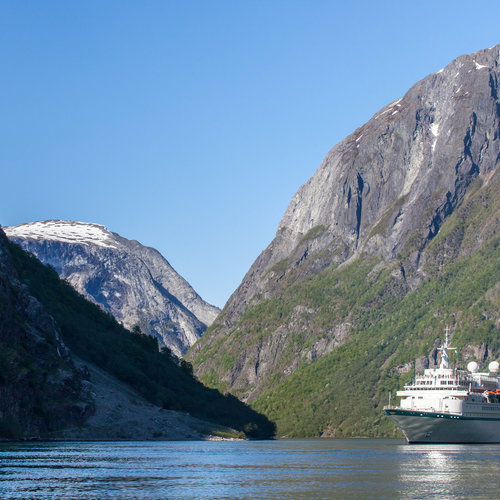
point(377, 201)
point(403, 171)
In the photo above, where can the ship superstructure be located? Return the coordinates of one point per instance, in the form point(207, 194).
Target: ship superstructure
point(449, 405)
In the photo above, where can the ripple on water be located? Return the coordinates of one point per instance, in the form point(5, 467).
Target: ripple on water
point(252, 469)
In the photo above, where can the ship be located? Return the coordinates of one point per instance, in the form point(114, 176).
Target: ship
point(450, 405)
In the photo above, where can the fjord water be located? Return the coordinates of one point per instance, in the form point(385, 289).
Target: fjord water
point(255, 469)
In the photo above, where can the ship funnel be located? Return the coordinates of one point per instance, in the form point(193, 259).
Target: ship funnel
point(493, 367)
point(473, 367)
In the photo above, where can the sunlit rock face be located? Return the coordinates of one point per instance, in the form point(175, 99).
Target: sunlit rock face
point(383, 192)
point(406, 168)
point(134, 283)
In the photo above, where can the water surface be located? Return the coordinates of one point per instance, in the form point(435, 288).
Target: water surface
point(240, 469)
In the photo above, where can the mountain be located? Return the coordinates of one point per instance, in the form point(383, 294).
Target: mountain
point(41, 390)
point(395, 235)
point(119, 385)
point(134, 283)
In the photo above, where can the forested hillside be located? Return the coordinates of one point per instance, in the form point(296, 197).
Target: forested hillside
point(95, 336)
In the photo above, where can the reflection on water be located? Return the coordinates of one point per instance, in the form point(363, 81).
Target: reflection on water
point(445, 471)
point(256, 469)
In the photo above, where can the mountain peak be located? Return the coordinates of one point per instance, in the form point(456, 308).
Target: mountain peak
point(384, 159)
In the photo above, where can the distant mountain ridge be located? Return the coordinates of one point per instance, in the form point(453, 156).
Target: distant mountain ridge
point(395, 235)
point(133, 282)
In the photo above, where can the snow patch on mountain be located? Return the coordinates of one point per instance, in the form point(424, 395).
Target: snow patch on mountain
point(69, 232)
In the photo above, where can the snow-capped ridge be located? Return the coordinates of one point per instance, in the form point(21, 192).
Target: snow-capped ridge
point(66, 231)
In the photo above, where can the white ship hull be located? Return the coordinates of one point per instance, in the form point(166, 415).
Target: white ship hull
point(430, 427)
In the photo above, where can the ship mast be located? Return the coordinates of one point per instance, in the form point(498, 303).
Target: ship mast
point(445, 360)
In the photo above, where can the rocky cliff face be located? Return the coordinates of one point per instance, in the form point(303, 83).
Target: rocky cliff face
point(397, 176)
point(132, 282)
point(40, 388)
point(356, 239)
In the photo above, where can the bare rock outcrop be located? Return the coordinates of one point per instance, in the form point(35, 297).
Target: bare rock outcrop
point(403, 171)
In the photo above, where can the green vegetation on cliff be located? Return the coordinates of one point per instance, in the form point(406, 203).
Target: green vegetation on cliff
point(133, 358)
point(342, 393)
point(391, 323)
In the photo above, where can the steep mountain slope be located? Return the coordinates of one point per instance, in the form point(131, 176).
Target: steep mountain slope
point(96, 338)
point(132, 282)
point(40, 388)
point(370, 260)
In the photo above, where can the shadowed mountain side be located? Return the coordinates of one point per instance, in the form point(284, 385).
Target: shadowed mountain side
point(134, 359)
point(40, 388)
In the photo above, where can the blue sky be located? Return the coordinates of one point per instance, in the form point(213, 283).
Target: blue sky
point(189, 125)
